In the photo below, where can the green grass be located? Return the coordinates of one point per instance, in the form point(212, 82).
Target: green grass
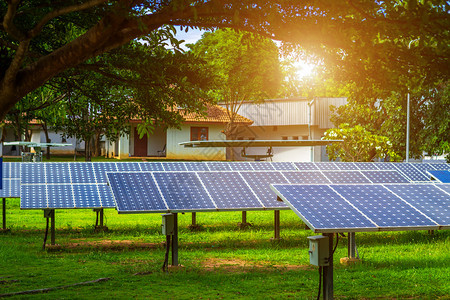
point(219, 262)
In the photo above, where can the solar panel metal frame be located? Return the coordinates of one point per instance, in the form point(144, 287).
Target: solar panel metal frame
point(437, 226)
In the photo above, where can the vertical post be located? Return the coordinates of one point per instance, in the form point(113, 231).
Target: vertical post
point(407, 128)
point(194, 219)
point(277, 224)
point(4, 212)
point(101, 218)
point(244, 217)
point(175, 241)
point(328, 271)
point(351, 245)
point(52, 227)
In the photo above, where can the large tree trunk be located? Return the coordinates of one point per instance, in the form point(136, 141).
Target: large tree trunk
point(47, 139)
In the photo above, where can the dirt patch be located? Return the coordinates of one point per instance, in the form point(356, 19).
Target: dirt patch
point(242, 266)
point(112, 245)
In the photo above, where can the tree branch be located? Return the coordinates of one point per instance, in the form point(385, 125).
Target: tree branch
point(8, 21)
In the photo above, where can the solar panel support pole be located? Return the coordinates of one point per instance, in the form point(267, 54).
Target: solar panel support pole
point(175, 241)
point(327, 274)
point(50, 213)
point(351, 245)
point(277, 225)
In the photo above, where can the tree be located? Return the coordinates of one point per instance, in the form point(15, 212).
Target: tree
point(247, 68)
point(359, 145)
point(42, 39)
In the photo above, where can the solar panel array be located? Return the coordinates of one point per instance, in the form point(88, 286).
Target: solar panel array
point(87, 180)
point(375, 207)
point(11, 180)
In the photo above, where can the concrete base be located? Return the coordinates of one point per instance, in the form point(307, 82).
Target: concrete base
point(349, 261)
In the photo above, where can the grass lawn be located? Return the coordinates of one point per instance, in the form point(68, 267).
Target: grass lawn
point(219, 262)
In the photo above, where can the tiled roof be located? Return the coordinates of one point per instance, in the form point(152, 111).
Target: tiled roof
point(214, 114)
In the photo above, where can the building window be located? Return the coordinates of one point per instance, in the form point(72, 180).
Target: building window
point(284, 138)
point(199, 133)
point(295, 137)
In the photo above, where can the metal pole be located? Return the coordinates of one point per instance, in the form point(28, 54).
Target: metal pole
point(4, 213)
point(277, 224)
point(328, 271)
point(194, 219)
point(175, 241)
point(244, 217)
point(101, 218)
point(52, 226)
point(407, 128)
point(351, 245)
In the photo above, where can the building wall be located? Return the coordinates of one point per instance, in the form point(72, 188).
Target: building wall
point(175, 151)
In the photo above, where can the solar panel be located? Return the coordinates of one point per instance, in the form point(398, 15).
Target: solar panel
point(382, 207)
point(262, 165)
point(440, 166)
point(423, 167)
point(429, 199)
point(283, 166)
point(411, 172)
point(32, 173)
point(57, 173)
point(360, 207)
point(218, 166)
point(346, 166)
point(60, 196)
point(345, 177)
point(151, 166)
point(441, 175)
point(240, 166)
point(259, 183)
point(183, 191)
point(366, 166)
point(136, 192)
point(385, 176)
point(326, 166)
point(127, 166)
point(196, 166)
point(11, 188)
point(305, 177)
point(100, 170)
point(174, 166)
point(444, 187)
point(82, 172)
point(33, 196)
point(86, 195)
point(229, 190)
point(306, 166)
point(386, 166)
point(323, 209)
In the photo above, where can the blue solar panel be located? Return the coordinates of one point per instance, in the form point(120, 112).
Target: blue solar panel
point(326, 166)
point(100, 170)
point(174, 166)
point(32, 173)
point(229, 190)
point(134, 192)
point(322, 208)
point(127, 166)
point(60, 196)
point(423, 167)
point(151, 166)
point(306, 166)
point(431, 201)
point(346, 166)
point(411, 172)
point(11, 188)
point(86, 196)
point(14, 169)
point(240, 166)
point(4, 173)
point(345, 177)
point(183, 191)
point(366, 166)
point(196, 166)
point(283, 166)
point(261, 165)
point(33, 196)
point(382, 206)
point(385, 176)
point(386, 166)
point(441, 175)
point(444, 187)
point(218, 166)
point(106, 196)
point(82, 172)
point(57, 173)
point(305, 177)
point(259, 183)
point(441, 166)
